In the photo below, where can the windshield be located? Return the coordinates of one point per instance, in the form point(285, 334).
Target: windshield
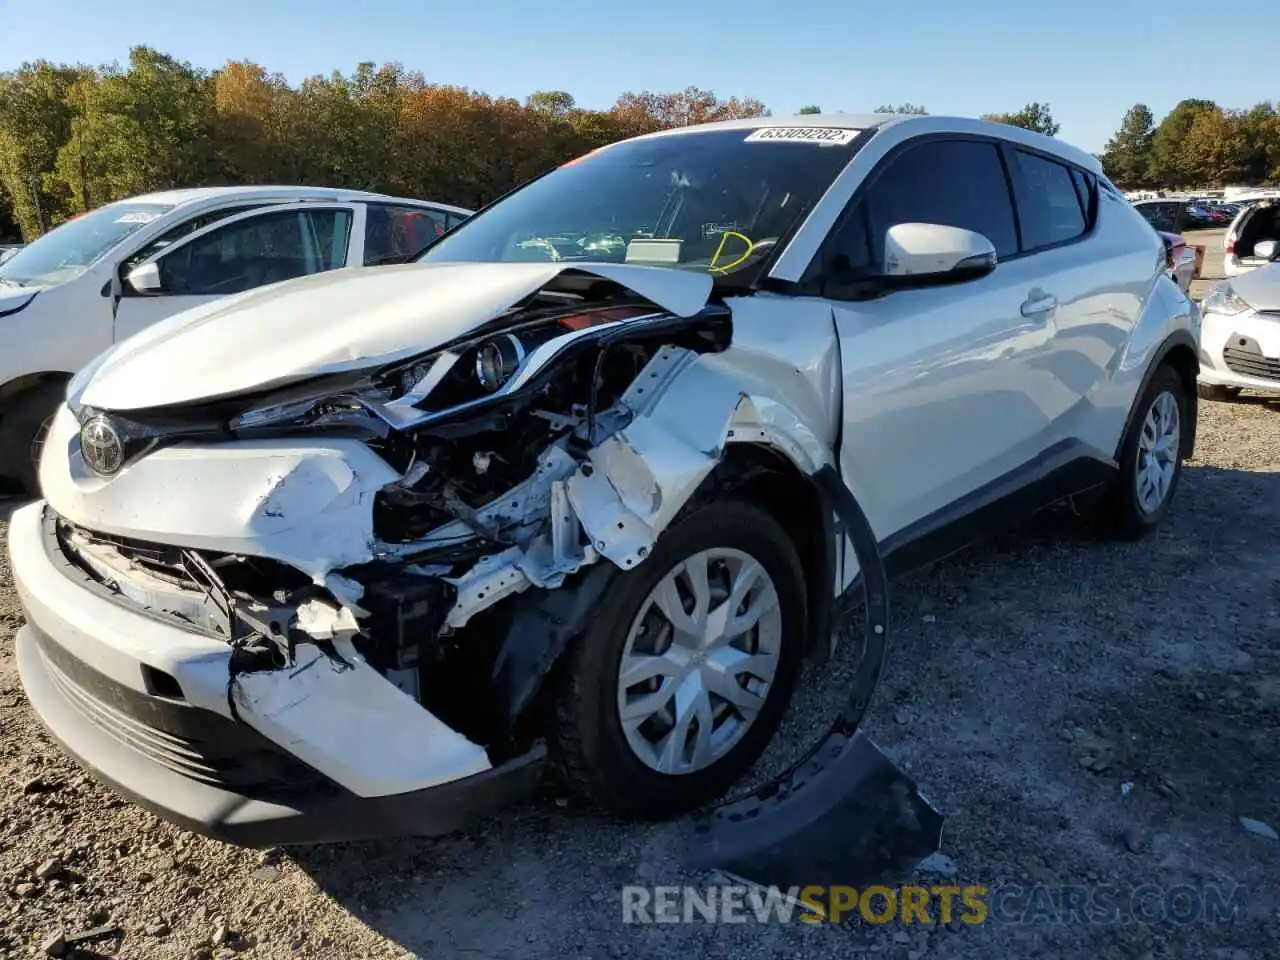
point(718, 201)
point(66, 252)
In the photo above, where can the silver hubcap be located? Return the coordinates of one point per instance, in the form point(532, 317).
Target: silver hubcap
point(699, 661)
point(1158, 452)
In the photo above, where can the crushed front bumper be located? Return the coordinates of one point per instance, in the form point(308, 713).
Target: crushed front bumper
point(145, 706)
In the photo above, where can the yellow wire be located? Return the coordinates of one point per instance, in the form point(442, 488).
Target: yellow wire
point(724, 237)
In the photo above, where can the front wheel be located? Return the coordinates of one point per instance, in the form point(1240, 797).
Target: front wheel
point(22, 432)
point(1150, 459)
point(682, 678)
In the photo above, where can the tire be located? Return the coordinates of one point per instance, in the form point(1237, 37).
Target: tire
point(1126, 512)
point(591, 751)
point(1213, 392)
point(22, 431)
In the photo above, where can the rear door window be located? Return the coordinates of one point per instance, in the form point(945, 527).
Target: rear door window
point(394, 233)
point(1049, 206)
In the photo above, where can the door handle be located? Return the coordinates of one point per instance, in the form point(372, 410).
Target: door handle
point(1038, 302)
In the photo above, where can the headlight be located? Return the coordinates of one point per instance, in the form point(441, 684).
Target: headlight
point(1223, 300)
point(328, 409)
point(497, 360)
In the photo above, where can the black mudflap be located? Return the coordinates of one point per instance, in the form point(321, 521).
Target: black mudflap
point(845, 814)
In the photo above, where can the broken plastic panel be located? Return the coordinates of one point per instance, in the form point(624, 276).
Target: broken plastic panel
point(845, 813)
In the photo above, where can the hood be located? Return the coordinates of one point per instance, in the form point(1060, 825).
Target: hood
point(339, 321)
point(1259, 288)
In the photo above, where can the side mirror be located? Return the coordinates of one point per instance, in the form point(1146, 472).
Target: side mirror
point(922, 254)
point(1266, 249)
point(1168, 250)
point(145, 279)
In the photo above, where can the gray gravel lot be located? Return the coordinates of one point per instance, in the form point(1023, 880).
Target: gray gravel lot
point(1085, 713)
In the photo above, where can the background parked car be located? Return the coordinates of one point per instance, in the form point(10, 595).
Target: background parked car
point(1254, 224)
point(1181, 260)
point(105, 275)
point(1165, 215)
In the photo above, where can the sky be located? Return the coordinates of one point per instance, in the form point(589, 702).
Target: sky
point(1089, 59)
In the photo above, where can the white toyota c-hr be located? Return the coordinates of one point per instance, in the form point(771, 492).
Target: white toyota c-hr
point(352, 555)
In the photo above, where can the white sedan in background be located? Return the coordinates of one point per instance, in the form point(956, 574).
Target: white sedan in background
point(100, 278)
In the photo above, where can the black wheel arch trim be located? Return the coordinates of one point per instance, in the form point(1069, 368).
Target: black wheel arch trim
point(1179, 338)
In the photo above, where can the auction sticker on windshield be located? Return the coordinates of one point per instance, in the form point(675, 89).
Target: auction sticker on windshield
point(834, 136)
point(137, 216)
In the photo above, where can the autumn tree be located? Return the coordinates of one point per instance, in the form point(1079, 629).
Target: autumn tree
point(688, 107)
point(1170, 164)
point(256, 132)
point(1215, 150)
point(1036, 117)
point(1127, 157)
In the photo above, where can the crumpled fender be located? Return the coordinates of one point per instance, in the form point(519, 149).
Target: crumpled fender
point(688, 408)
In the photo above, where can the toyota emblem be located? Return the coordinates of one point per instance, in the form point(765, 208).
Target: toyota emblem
point(101, 446)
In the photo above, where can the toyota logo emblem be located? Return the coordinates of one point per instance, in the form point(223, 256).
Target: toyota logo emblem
point(101, 446)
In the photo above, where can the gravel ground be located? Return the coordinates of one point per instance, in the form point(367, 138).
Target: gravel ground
point(1084, 713)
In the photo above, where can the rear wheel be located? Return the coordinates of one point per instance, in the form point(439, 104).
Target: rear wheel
point(1150, 459)
point(682, 678)
point(22, 431)
point(1207, 391)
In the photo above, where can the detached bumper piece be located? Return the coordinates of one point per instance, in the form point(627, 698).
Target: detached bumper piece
point(224, 780)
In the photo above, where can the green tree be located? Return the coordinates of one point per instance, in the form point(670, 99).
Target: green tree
point(556, 103)
point(8, 224)
point(35, 121)
point(1036, 117)
point(1127, 157)
point(908, 109)
point(1260, 128)
point(809, 109)
point(145, 128)
point(1170, 165)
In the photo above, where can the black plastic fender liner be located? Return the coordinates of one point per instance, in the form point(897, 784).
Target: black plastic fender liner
point(845, 814)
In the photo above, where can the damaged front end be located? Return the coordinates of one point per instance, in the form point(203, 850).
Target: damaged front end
point(353, 537)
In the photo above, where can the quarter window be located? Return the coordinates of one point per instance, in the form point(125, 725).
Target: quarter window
point(1048, 203)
